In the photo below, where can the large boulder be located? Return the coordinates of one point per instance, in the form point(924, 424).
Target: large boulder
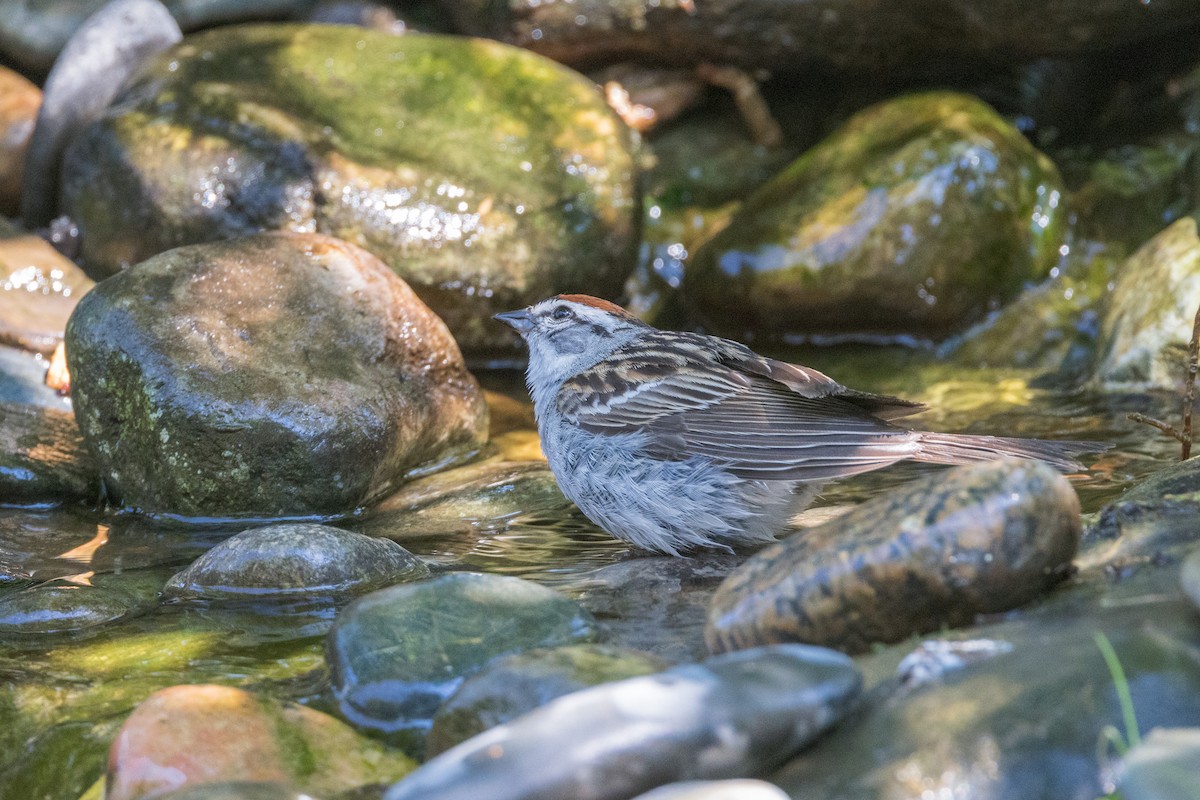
point(486, 176)
point(280, 374)
point(916, 217)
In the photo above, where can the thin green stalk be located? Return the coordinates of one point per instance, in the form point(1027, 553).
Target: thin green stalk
point(1132, 734)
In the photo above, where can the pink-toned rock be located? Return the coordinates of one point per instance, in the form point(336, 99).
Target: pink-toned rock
point(39, 286)
point(189, 735)
point(19, 104)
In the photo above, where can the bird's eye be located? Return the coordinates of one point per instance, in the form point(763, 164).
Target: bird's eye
point(561, 313)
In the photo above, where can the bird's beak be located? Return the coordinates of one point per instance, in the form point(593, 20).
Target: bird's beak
point(520, 321)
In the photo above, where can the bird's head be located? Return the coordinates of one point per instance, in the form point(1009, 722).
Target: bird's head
point(568, 333)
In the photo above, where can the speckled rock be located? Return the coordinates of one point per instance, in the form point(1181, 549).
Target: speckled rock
point(19, 101)
point(1165, 766)
point(1147, 323)
point(295, 562)
point(397, 653)
point(106, 49)
point(916, 217)
point(76, 606)
point(43, 458)
point(485, 176)
point(976, 539)
point(274, 375)
point(39, 288)
point(735, 714)
point(517, 684)
point(187, 735)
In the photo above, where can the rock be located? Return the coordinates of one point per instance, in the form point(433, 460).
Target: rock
point(19, 101)
point(295, 561)
point(657, 604)
point(862, 37)
point(334, 380)
point(1189, 577)
point(23, 381)
point(33, 32)
point(514, 685)
point(106, 49)
point(187, 735)
point(916, 217)
point(236, 790)
point(397, 653)
point(487, 177)
point(745, 789)
point(972, 540)
point(468, 500)
point(39, 288)
point(1146, 326)
point(735, 714)
point(43, 458)
point(1164, 766)
point(75, 606)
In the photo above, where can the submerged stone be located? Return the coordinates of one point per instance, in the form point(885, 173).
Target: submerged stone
point(516, 684)
point(188, 735)
point(75, 605)
point(43, 458)
point(916, 217)
point(973, 540)
point(1165, 766)
point(1147, 321)
point(296, 562)
point(745, 789)
point(735, 714)
point(485, 176)
point(23, 380)
point(396, 654)
point(276, 375)
point(19, 101)
point(237, 790)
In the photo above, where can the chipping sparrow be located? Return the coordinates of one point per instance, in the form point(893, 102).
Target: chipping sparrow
point(674, 440)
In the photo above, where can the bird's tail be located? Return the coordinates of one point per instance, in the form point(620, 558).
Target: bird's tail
point(957, 448)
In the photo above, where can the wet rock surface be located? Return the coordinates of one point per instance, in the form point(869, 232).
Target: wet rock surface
point(973, 540)
point(295, 562)
point(23, 380)
point(187, 735)
point(735, 714)
point(716, 790)
point(19, 102)
point(43, 458)
point(1147, 322)
point(516, 684)
point(75, 605)
point(915, 217)
point(106, 49)
point(395, 655)
point(1163, 767)
point(213, 401)
point(485, 176)
point(237, 790)
point(39, 289)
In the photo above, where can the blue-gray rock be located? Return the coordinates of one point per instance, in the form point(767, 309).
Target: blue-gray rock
point(107, 49)
point(733, 715)
point(23, 380)
point(295, 562)
point(744, 789)
point(1165, 766)
point(396, 654)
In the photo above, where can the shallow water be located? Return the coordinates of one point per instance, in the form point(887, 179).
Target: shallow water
point(62, 695)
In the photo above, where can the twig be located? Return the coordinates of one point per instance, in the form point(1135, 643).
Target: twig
point(1168, 429)
point(1189, 390)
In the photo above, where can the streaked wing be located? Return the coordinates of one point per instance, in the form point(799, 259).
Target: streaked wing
point(757, 426)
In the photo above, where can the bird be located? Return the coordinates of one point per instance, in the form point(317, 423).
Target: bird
point(674, 440)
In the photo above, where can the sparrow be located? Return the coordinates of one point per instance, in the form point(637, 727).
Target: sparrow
point(674, 441)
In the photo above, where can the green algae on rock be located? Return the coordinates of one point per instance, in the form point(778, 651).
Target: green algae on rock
point(76, 605)
point(277, 375)
point(916, 217)
point(296, 561)
point(486, 176)
point(1147, 322)
point(186, 735)
point(976, 539)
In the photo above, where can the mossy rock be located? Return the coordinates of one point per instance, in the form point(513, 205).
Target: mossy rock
point(485, 176)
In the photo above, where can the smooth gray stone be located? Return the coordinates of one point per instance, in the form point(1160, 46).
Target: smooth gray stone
point(733, 715)
point(106, 50)
point(1165, 766)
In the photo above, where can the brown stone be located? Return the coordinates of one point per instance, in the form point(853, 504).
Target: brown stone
point(39, 288)
point(19, 103)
